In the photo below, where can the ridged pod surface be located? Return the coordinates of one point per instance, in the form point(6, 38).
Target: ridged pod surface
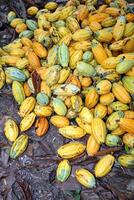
point(119, 28)
point(128, 83)
point(43, 111)
point(11, 130)
point(86, 115)
point(92, 146)
point(63, 55)
point(98, 51)
point(19, 146)
point(27, 106)
point(63, 170)
point(2, 78)
point(104, 166)
point(15, 74)
point(27, 121)
point(57, 119)
point(18, 92)
point(85, 178)
point(72, 132)
point(126, 160)
point(128, 139)
point(113, 140)
point(71, 150)
point(121, 93)
point(113, 120)
point(127, 125)
point(91, 98)
point(99, 130)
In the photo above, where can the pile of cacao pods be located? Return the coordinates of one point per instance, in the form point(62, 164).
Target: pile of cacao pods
point(73, 62)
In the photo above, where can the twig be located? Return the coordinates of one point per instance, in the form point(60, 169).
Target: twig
point(108, 151)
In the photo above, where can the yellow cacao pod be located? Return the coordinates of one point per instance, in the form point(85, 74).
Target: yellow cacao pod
point(85, 178)
point(64, 74)
point(22, 63)
point(65, 39)
point(113, 119)
point(92, 146)
point(85, 81)
point(26, 42)
point(119, 28)
point(109, 21)
point(82, 34)
point(15, 22)
point(33, 60)
point(10, 60)
point(112, 11)
point(39, 50)
point(82, 13)
point(17, 52)
point(106, 99)
point(95, 26)
point(117, 46)
point(118, 131)
point(66, 12)
point(72, 24)
point(19, 146)
point(99, 130)
point(57, 119)
point(43, 111)
point(127, 125)
point(103, 87)
point(52, 17)
point(129, 46)
point(117, 105)
point(82, 45)
point(85, 126)
point(110, 63)
point(63, 31)
point(86, 115)
point(63, 170)
point(52, 55)
point(128, 139)
point(103, 35)
point(76, 102)
point(104, 166)
point(98, 51)
point(130, 17)
point(18, 92)
point(11, 130)
point(129, 29)
point(121, 93)
point(27, 106)
point(91, 98)
point(45, 88)
point(126, 160)
point(32, 10)
point(26, 89)
point(21, 27)
point(129, 114)
point(75, 57)
point(100, 111)
point(2, 78)
point(99, 17)
point(27, 121)
point(71, 150)
point(51, 6)
point(72, 132)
